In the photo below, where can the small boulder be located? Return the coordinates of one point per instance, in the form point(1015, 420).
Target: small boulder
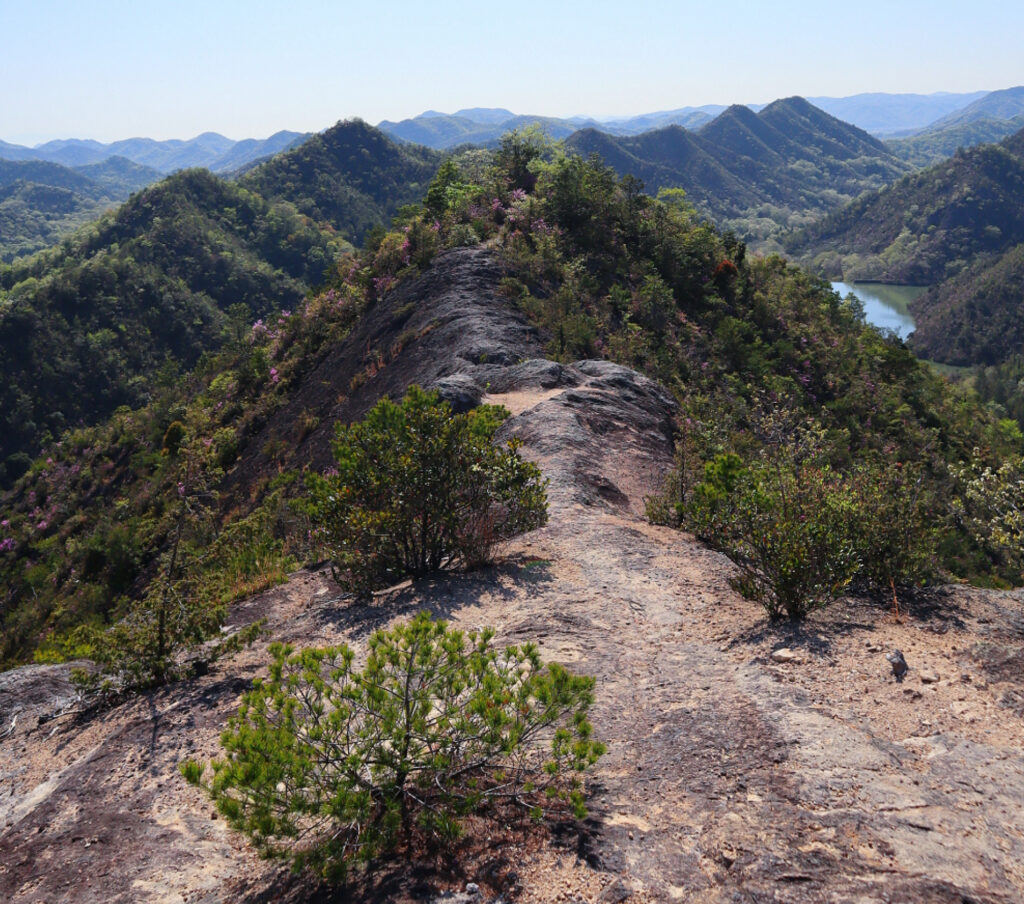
point(784, 655)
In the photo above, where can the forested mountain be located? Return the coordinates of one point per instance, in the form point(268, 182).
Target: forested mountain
point(975, 317)
point(673, 157)
point(40, 201)
point(936, 144)
point(49, 191)
point(957, 227)
point(1007, 103)
point(756, 173)
point(85, 327)
point(212, 150)
point(350, 176)
point(929, 225)
point(51, 174)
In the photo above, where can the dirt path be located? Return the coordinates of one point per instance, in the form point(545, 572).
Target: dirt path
point(730, 776)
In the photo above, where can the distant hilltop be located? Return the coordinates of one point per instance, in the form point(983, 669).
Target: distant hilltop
point(883, 115)
point(212, 150)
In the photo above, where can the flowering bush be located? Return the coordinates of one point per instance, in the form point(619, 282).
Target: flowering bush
point(992, 505)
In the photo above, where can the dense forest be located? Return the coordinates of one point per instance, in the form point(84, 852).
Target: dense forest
point(86, 326)
point(176, 270)
point(974, 318)
point(352, 177)
point(41, 202)
point(759, 354)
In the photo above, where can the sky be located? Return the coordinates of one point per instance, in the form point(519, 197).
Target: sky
point(111, 69)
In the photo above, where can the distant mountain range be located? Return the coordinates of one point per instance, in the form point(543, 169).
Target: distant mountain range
point(755, 172)
point(485, 126)
point(49, 191)
point(212, 150)
point(883, 115)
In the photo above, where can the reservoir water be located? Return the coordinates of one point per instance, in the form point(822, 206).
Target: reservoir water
point(885, 306)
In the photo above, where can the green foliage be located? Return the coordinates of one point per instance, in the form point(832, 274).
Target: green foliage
point(419, 489)
point(895, 524)
point(786, 523)
point(1002, 386)
point(351, 176)
point(142, 649)
point(84, 326)
point(445, 191)
point(517, 151)
point(173, 438)
point(993, 505)
point(327, 763)
point(801, 530)
point(88, 528)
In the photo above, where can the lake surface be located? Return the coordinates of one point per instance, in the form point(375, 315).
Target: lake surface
point(885, 306)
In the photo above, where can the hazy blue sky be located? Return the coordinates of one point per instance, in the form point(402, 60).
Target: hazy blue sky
point(109, 69)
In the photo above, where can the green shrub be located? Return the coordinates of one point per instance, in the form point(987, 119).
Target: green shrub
point(326, 763)
point(418, 489)
point(992, 506)
point(789, 527)
point(173, 438)
point(895, 531)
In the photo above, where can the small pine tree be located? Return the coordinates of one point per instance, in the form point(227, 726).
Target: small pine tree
point(326, 763)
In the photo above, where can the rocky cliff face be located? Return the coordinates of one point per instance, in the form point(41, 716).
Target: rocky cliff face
point(745, 762)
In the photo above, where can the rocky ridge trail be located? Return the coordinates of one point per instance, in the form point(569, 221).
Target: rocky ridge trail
point(734, 772)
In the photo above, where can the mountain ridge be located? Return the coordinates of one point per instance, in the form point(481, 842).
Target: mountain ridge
point(209, 149)
point(754, 172)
